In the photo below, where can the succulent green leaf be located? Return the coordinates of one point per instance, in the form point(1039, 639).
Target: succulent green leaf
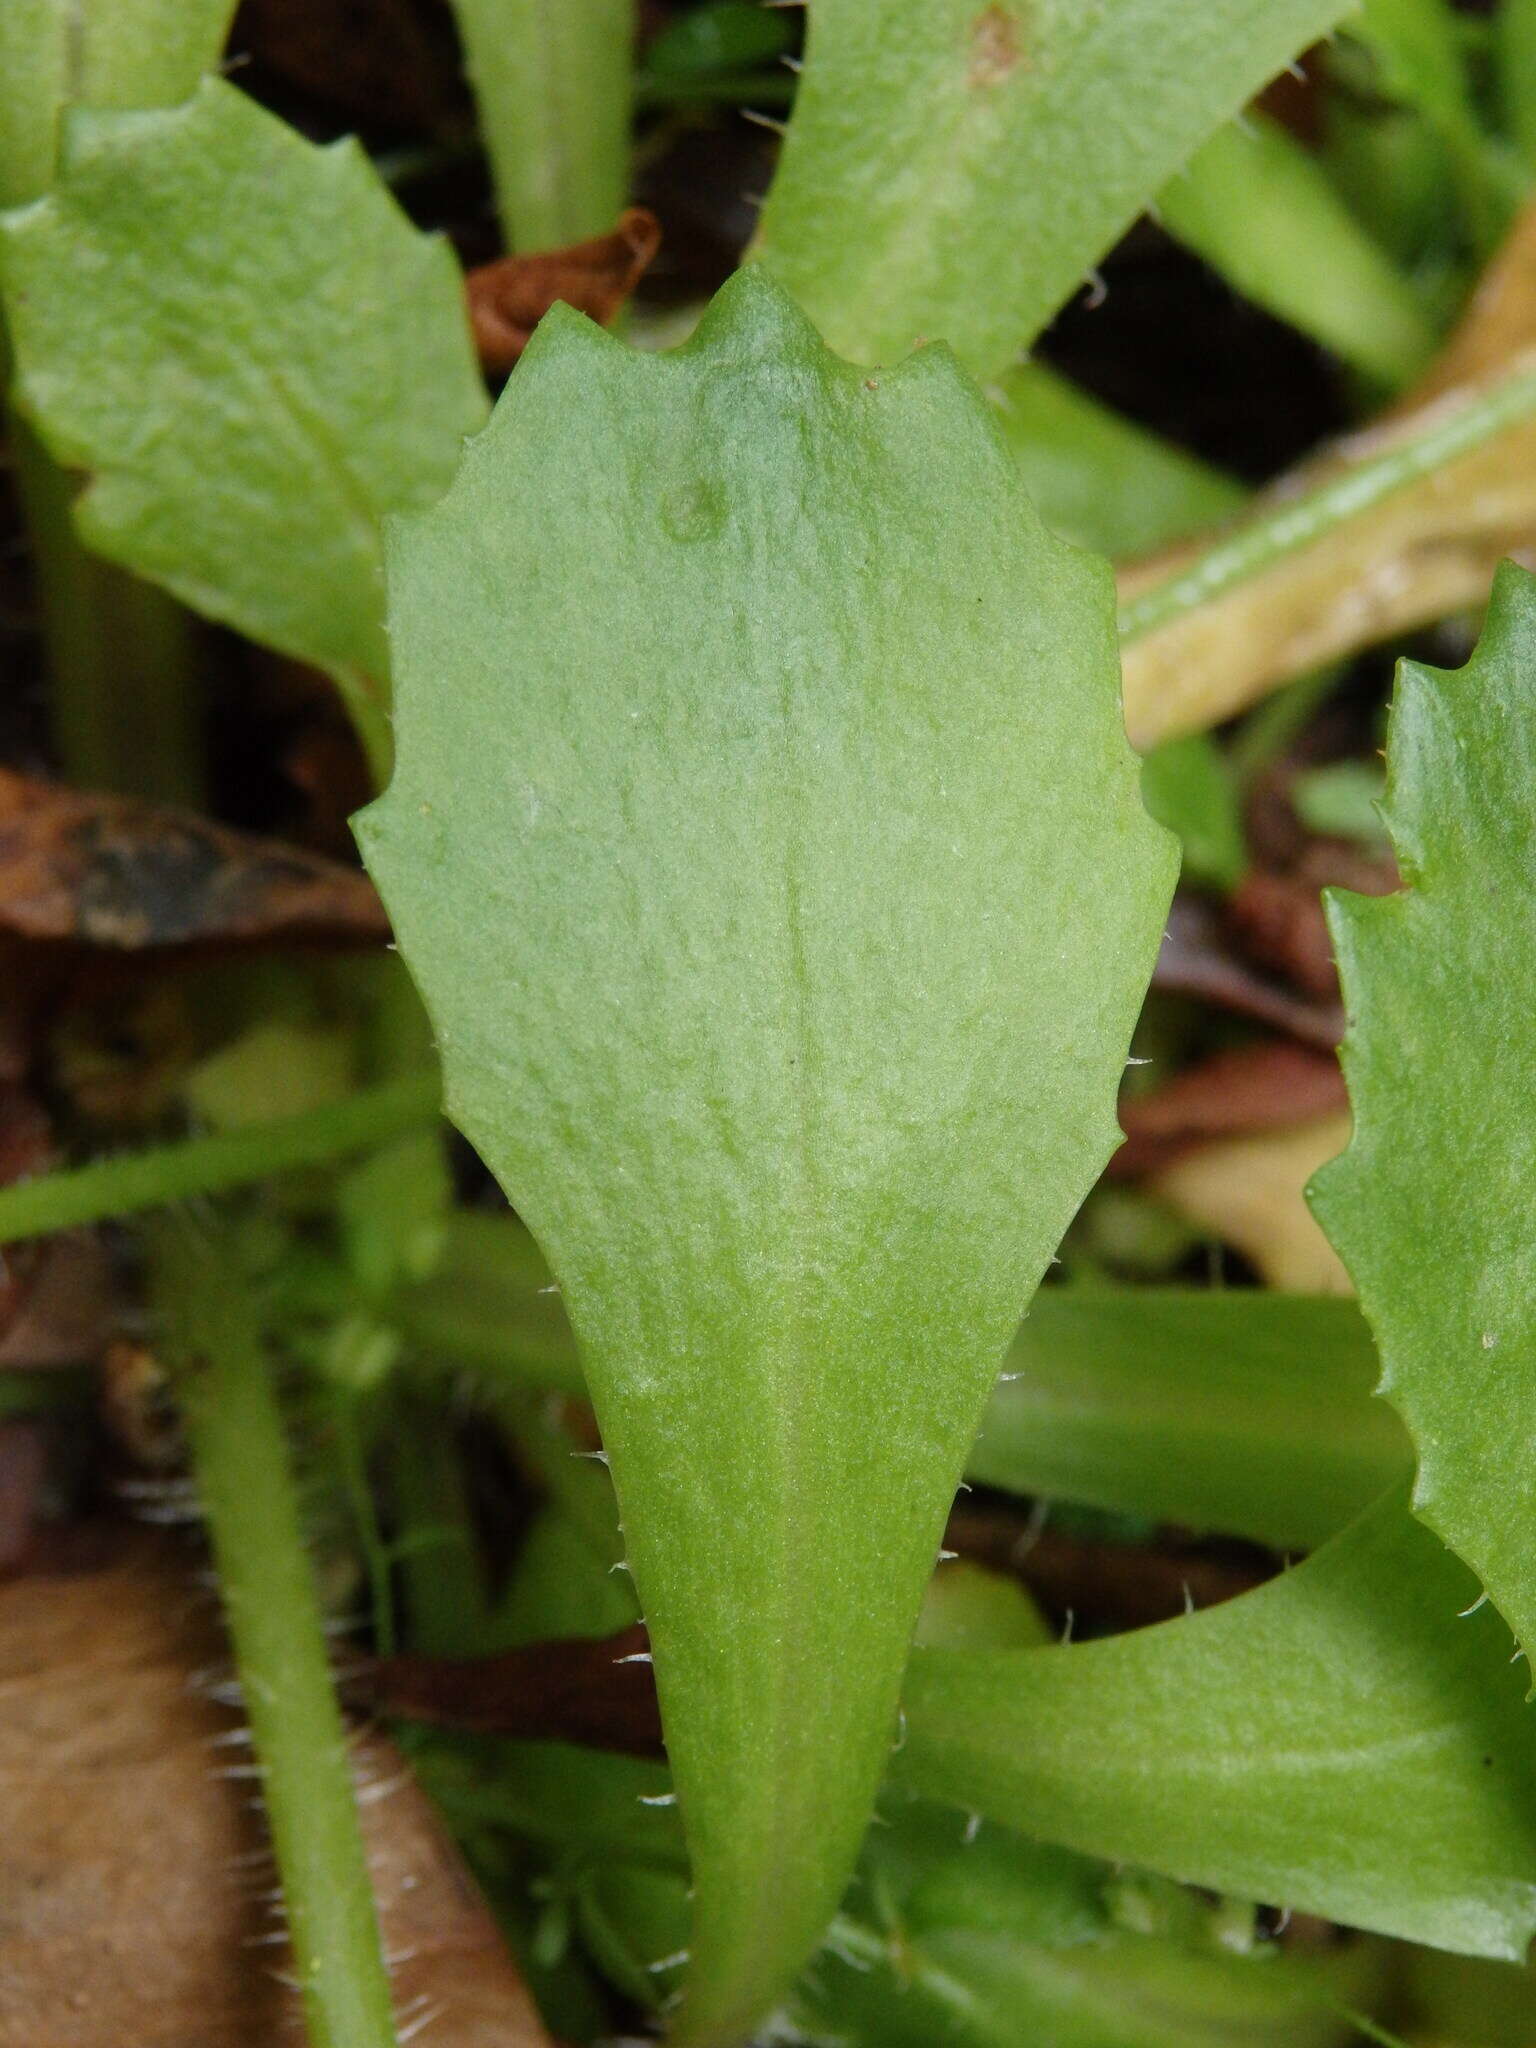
point(1430, 1205)
point(953, 169)
point(254, 354)
point(766, 846)
point(1345, 1740)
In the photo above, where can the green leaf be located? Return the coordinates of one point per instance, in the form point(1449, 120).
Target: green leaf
point(1098, 479)
point(1418, 48)
point(489, 1302)
point(766, 846)
point(128, 53)
point(552, 80)
point(1342, 799)
point(1245, 1412)
point(1514, 34)
point(1186, 785)
point(983, 1939)
point(257, 357)
point(1343, 1740)
point(1429, 1207)
point(952, 170)
point(1261, 209)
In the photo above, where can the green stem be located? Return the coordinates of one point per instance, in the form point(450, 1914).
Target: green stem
point(122, 655)
point(135, 1181)
point(553, 82)
point(240, 1458)
point(1284, 528)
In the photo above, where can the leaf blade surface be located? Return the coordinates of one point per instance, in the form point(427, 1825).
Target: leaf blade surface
point(1344, 1740)
point(1430, 1204)
point(952, 170)
point(766, 846)
point(243, 339)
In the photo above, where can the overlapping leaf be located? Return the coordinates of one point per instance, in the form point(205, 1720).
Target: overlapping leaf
point(953, 169)
point(256, 357)
point(1344, 1740)
point(1431, 1206)
point(767, 848)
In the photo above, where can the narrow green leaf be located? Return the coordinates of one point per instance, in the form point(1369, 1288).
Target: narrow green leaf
point(1430, 1205)
point(255, 355)
point(108, 1189)
point(1419, 50)
point(952, 170)
point(1344, 1740)
point(1261, 209)
point(1245, 1412)
point(766, 845)
point(1187, 786)
point(552, 79)
point(1099, 480)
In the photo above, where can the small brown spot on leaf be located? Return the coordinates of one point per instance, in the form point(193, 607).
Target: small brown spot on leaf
point(996, 46)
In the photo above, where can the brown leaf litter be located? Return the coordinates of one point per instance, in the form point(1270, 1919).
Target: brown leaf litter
point(133, 1872)
point(508, 298)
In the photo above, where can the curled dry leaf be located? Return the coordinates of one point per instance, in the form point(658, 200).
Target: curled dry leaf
point(1253, 1088)
point(1197, 958)
point(508, 298)
point(118, 873)
point(1278, 920)
point(593, 1690)
point(1250, 1192)
point(133, 1868)
point(1427, 550)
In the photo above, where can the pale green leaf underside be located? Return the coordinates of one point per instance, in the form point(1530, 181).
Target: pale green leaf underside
point(1431, 1205)
point(1344, 1740)
point(954, 168)
point(255, 355)
point(766, 845)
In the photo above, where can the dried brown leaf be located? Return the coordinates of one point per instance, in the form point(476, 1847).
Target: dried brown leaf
point(508, 298)
point(1425, 551)
point(1197, 959)
point(1252, 1088)
point(579, 1689)
point(132, 1873)
point(124, 875)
